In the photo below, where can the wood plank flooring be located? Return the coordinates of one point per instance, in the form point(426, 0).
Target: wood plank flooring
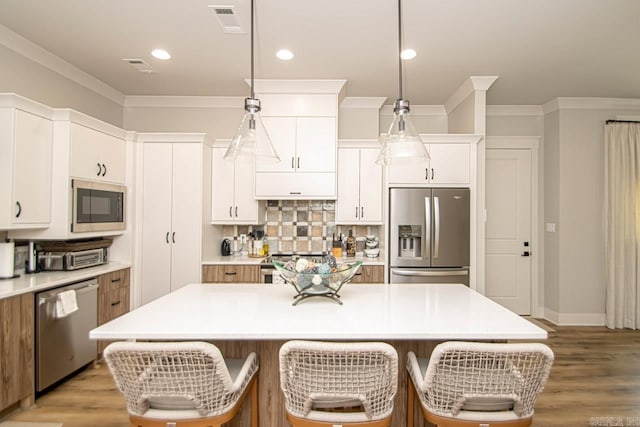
point(595, 381)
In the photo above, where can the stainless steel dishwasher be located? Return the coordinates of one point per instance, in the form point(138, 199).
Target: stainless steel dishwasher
point(62, 343)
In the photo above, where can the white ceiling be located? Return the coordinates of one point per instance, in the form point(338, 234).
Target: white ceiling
point(540, 49)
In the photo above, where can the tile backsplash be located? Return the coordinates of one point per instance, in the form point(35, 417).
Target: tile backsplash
point(299, 226)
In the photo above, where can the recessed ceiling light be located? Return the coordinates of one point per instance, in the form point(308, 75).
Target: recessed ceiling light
point(408, 54)
point(161, 54)
point(284, 54)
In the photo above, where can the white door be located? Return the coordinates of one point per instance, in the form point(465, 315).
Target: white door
point(246, 206)
point(186, 214)
point(222, 203)
point(348, 203)
point(156, 221)
point(113, 157)
point(86, 160)
point(32, 169)
point(316, 144)
point(508, 228)
point(282, 131)
point(409, 172)
point(370, 186)
point(449, 163)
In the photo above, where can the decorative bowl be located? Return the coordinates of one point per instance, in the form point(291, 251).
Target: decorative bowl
point(372, 252)
point(316, 280)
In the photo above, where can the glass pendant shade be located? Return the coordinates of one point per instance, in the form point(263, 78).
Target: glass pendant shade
point(252, 139)
point(401, 144)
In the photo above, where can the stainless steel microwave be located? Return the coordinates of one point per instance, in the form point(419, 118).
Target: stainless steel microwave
point(97, 206)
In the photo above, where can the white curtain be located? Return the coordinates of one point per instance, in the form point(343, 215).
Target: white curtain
point(622, 224)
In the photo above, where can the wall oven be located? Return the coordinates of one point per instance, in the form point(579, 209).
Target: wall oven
point(97, 206)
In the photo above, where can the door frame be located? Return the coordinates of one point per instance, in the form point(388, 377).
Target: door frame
point(531, 143)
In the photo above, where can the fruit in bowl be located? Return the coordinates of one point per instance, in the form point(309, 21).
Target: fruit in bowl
point(372, 252)
point(317, 279)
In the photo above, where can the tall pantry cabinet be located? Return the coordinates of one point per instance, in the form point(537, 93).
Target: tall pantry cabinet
point(172, 173)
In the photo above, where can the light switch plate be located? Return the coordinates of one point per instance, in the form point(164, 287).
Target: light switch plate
point(550, 227)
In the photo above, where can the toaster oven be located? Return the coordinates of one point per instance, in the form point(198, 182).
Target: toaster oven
point(66, 261)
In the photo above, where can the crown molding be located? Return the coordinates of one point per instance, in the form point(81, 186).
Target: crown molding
point(32, 51)
point(184, 101)
point(69, 115)
point(472, 84)
point(363, 102)
point(12, 100)
point(566, 103)
point(515, 110)
point(297, 86)
point(417, 110)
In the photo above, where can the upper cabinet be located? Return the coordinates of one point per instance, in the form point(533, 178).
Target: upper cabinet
point(232, 190)
point(360, 185)
point(452, 159)
point(301, 117)
point(26, 144)
point(96, 156)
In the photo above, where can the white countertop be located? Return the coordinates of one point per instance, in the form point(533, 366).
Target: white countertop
point(37, 282)
point(246, 260)
point(264, 312)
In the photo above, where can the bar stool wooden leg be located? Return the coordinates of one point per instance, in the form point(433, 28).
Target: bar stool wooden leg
point(410, 400)
point(254, 402)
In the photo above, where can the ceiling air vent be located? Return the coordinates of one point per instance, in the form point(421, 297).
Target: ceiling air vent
point(227, 18)
point(139, 65)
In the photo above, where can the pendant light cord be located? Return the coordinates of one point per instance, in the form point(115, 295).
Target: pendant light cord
point(399, 49)
point(252, 92)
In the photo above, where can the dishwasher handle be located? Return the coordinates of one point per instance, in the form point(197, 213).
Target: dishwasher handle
point(79, 291)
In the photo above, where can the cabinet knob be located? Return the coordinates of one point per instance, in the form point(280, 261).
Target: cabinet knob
point(19, 206)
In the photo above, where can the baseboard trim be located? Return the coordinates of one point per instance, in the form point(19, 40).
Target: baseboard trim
point(574, 319)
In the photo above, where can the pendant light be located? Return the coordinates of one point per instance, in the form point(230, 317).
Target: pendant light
point(251, 138)
point(401, 143)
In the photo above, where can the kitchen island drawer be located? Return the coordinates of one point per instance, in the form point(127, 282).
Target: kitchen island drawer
point(230, 273)
point(369, 274)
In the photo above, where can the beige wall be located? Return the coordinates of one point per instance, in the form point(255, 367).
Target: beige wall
point(462, 118)
point(423, 124)
point(515, 125)
point(34, 81)
point(550, 181)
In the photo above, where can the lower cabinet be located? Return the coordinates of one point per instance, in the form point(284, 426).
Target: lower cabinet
point(369, 274)
point(16, 349)
point(231, 273)
point(113, 298)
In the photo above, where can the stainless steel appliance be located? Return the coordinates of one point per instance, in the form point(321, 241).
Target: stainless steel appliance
point(62, 343)
point(429, 235)
point(59, 261)
point(97, 206)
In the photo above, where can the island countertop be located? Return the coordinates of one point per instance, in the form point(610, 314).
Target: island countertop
point(369, 312)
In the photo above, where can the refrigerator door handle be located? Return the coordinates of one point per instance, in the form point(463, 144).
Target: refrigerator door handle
point(436, 220)
point(427, 235)
point(405, 272)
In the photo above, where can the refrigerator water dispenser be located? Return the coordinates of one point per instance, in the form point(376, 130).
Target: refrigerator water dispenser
point(410, 241)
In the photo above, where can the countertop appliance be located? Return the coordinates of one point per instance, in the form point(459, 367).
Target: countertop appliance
point(225, 247)
point(429, 235)
point(74, 260)
point(97, 206)
point(62, 343)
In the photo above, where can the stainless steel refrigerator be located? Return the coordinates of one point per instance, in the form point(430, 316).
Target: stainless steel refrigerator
point(429, 235)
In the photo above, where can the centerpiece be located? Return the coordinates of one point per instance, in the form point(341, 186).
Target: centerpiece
point(311, 279)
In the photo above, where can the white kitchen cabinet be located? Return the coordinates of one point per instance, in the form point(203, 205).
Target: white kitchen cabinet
point(449, 164)
point(232, 191)
point(26, 144)
point(96, 156)
point(307, 150)
point(360, 187)
point(171, 220)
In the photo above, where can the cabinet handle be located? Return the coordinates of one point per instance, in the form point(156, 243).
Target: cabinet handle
point(432, 173)
point(99, 169)
point(236, 211)
point(116, 280)
point(115, 303)
point(230, 211)
point(173, 237)
point(104, 167)
point(298, 162)
point(167, 237)
point(295, 192)
point(358, 274)
point(232, 273)
point(356, 212)
point(19, 206)
point(426, 174)
point(292, 163)
point(361, 212)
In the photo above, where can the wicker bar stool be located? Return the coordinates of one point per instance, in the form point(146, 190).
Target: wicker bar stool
point(348, 384)
point(478, 384)
point(182, 384)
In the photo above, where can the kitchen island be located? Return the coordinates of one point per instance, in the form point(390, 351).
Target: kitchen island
point(240, 318)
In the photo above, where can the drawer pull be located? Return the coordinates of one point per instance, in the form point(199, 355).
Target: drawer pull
point(232, 273)
point(116, 280)
point(115, 303)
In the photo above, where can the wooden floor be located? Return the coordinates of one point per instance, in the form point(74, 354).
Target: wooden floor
point(595, 381)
